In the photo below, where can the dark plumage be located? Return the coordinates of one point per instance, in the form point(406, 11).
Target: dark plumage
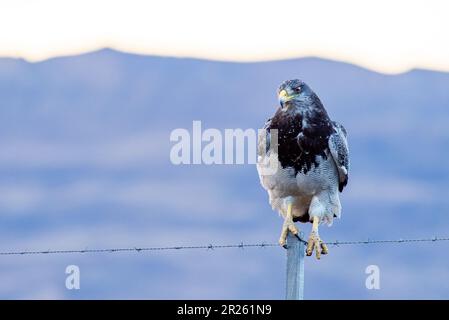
point(298, 146)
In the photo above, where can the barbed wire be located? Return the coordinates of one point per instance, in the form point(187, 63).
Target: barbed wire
point(241, 245)
point(138, 249)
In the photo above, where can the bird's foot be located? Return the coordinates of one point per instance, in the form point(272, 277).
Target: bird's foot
point(289, 225)
point(315, 243)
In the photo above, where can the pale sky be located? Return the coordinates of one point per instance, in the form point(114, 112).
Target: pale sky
point(384, 35)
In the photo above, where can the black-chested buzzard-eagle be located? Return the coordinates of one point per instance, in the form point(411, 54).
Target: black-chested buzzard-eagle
point(312, 160)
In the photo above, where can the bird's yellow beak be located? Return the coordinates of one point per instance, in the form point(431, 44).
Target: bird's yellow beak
point(283, 95)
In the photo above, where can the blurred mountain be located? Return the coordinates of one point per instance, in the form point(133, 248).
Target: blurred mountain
point(84, 161)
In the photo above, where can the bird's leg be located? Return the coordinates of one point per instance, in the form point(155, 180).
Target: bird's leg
point(315, 243)
point(288, 225)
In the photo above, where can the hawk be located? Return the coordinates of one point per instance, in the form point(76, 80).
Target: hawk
point(311, 157)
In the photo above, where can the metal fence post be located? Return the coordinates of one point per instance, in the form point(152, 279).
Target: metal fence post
point(295, 267)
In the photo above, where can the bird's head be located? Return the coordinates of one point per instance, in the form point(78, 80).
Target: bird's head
point(290, 90)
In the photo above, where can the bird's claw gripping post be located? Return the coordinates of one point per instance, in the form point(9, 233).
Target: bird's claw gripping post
point(288, 225)
point(285, 246)
point(315, 243)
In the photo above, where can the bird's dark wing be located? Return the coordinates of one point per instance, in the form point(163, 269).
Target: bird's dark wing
point(338, 146)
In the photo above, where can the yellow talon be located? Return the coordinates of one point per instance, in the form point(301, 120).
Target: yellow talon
point(315, 243)
point(289, 225)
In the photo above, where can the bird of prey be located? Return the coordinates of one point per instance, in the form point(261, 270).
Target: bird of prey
point(311, 155)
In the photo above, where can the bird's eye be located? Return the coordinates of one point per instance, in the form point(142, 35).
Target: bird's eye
point(298, 89)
